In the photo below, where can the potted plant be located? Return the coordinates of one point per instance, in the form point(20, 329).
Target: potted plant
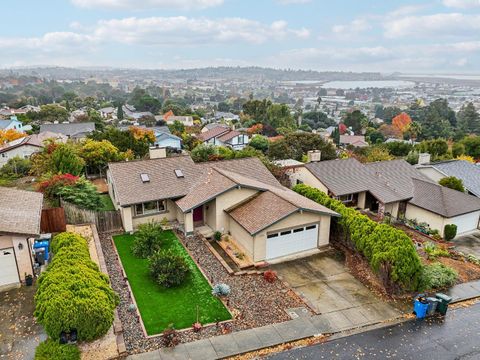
point(28, 279)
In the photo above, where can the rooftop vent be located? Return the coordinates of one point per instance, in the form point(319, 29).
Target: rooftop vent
point(145, 178)
point(179, 173)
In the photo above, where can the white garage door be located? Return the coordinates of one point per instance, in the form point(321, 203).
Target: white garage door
point(467, 222)
point(8, 267)
point(291, 241)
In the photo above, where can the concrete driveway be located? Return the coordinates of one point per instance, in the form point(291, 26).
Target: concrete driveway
point(469, 243)
point(19, 333)
point(327, 286)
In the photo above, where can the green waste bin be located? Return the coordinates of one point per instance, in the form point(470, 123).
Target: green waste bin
point(442, 305)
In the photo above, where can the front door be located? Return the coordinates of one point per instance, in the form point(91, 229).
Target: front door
point(198, 215)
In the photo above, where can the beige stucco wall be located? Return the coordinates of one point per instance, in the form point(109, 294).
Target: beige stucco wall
point(189, 222)
point(111, 191)
point(23, 257)
point(421, 215)
point(210, 213)
point(362, 198)
point(392, 208)
point(431, 173)
point(305, 176)
point(23, 152)
point(126, 214)
point(170, 213)
point(227, 200)
point(243, 238)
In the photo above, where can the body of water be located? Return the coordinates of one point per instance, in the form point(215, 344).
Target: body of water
point(346, 85)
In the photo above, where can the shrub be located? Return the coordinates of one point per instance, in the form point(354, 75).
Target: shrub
point(170, 337)
point(16, 167)
point(52, 185)
point(433, 251)
point(82, 193)
point(217, 235)
point(384, 246)
point(437, 276)
point(449, 232)
point(221, 290)
point(168, 268)
point(453, 183)
point(270, 276)
point(148, 239)
point(53, 350)
point(72, 293)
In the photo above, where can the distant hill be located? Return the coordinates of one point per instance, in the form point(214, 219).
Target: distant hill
point(225, 73)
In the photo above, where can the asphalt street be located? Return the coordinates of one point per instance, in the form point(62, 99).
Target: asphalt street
point(457, 336)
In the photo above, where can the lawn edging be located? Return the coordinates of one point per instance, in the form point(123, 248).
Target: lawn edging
point(132, 296)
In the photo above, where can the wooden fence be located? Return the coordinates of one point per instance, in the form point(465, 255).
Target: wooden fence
point(53, 220)
point(104, 220)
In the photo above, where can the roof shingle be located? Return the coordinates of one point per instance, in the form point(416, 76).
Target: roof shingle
point(20, 211)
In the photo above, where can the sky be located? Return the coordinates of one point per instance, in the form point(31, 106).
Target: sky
point(438, 36)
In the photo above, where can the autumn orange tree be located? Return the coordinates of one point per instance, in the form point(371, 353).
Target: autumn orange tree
point(10, 135)
point(402, 122)
point(142, 133)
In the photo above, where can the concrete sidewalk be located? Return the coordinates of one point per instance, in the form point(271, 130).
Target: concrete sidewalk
point(219, 347)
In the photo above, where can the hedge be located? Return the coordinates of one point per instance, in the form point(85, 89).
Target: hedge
point(53, 350)
point(72, 293)
point(387, 249)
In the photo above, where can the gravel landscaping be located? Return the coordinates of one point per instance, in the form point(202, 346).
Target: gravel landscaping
point(253, 301)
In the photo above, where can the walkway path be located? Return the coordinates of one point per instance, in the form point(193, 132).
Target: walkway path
point(303, 327)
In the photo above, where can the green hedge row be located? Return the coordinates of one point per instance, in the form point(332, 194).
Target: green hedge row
point(72, 293)
point(388, 250)
point(53, 350)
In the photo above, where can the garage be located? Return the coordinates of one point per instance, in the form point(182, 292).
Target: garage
point(290, 241)
point(8, 268)
point(466, 223)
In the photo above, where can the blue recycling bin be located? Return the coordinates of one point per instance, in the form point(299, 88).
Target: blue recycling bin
point(420, 306)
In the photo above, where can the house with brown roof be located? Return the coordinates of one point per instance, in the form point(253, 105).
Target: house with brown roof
point(353, 140)
point(169, 117)
point(237, 197)
point(391, 187)
point(27, 146)
point(20, 215)
point(224, 136)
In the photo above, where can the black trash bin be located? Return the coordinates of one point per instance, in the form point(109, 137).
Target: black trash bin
point(442, 305)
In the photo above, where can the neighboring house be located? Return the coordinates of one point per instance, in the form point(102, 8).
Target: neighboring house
point(211, 126)
point(354, 140)
point(170, 118)
point(20, 214)
point(222, 136)
point(26, 146)
point(12, 123)
point(130, 112)
point(239, 197)
point(466, 171)
point(70, 130)
point(108, 112)
point(168, 140)
point(393, 187)
point(226, 116)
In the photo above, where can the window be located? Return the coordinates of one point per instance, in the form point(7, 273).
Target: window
point(286, 232)
point(345, 198)
point(269, 236)
point(150, 207)
point(179, 173)
point(298, 230)
point(311, 227)
point(144, 178)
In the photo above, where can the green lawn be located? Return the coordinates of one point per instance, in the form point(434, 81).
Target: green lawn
point(161, 306)
point(107, 204)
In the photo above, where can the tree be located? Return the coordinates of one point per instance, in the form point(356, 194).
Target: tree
point(472, 146)
point(354, 120)
point(453, 183)
point(389, 113)
point(204, 152)
point(177, 128)
point(469, 119)
point(97, 154)
point(318, 119)
point(168, 268)
point(9, 135)
point(458, 149)
point(136, 140)
point(257, 109)
point(436, 148)
point(65, 160)
point(278, 115)
point(259, 142)
point(402, 122)
point(16, 167)
point(374, 136)
point(52, 113)
point(378, 154)
point(295, 145)
point(120, 114)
